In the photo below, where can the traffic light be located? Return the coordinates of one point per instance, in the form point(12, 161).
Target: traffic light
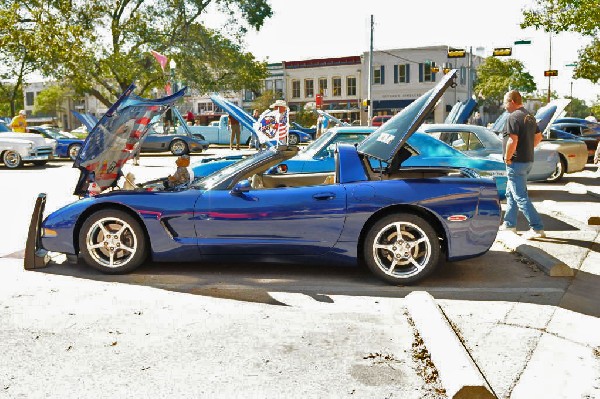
point(551, 72)
point(366, 102)
point(457, 53)
point(434, 67)
point(502, 52)
point(446, 67)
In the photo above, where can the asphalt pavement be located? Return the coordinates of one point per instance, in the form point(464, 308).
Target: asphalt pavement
point(306, 330)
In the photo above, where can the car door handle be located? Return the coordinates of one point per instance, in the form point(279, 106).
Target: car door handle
point(324, 196)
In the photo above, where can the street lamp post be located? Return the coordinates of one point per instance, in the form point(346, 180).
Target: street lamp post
point(173, 65)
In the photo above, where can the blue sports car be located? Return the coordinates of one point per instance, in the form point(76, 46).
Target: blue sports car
point(400, 221)
point(66, 147)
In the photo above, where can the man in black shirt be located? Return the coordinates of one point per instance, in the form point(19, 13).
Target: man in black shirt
point(520, 137)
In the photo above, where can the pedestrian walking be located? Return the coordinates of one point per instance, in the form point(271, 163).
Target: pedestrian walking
point(235, 131)
point(521, 135)
point(19, 122)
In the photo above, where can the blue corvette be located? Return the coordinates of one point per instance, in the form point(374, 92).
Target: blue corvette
point(66, 147)
point(400, 221)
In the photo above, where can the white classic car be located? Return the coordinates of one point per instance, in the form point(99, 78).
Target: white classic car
point(19, 148)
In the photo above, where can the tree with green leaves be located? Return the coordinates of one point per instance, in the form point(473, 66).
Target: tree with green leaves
point(11, 99)
point(50, 100)
point(265, 100)
point(495, 77)
point(580, 16)
point(577, 108)
point(103, 46)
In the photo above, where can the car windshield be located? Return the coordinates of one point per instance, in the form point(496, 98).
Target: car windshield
point(316, 145)
point(54, 133)
point(210, 181)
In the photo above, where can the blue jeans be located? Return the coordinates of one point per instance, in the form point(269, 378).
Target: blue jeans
point(517, 197)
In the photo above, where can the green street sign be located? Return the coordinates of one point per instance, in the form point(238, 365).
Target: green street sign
point(523, 42)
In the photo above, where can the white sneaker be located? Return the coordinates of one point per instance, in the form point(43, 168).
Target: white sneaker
point(504, 227)
point(533, 234)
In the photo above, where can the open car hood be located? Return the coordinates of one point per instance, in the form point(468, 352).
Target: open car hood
point(332, 118)
point(117, 135)
point(238, 113)
point(546, 115)
point(388, 139)
point(88, 120)
point(461, 111)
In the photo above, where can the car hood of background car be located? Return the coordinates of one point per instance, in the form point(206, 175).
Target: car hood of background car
point(238, 113)
point(546, 115)
point(116, 136)
point(389, 138)
point(461, 111)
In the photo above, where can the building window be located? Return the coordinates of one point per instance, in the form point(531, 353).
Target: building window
point(309, 88)
point(425, 74)
point(379, 75)
point(29, 98)
point(336, 83)
point(350, 86)
point(402, 73)
point(279, 87)
point(295, 89)
point(323, 86)
point(269, 85)
point(248, 95)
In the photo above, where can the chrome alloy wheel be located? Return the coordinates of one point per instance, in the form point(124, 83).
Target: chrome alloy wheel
point(111, 242)
point(178, 147)
point(401, 249)
point(12, 159)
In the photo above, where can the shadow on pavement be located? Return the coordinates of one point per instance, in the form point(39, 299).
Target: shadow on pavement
point(496, 276)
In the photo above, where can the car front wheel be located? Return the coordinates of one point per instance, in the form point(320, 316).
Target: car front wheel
point(112, 241)
point(401, 248)
point(179, 147)
point(293, 139)
point(73, 151)
point(12, 159)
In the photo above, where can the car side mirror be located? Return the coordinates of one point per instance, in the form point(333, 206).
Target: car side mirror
point(243, 186)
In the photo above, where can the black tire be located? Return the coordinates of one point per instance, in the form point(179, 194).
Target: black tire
point(125, 232)
point(73, 151)
point(39, 163)
point(179, 147)
point(293, 139)
point(561, 167)
point(419, 244)
point(12, 159)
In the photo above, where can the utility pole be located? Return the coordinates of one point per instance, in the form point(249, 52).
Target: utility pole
point(370, 78)
point(469, 73)
point(549, 64)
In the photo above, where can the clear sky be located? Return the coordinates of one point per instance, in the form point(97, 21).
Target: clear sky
point(334, 28)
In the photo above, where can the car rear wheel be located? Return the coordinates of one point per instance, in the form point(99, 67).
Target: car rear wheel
point(112, 241)
point(178, 147)
point(561, 166)
point(73, 151)
point(293, 139)
point(12, 159)
point(401, 248)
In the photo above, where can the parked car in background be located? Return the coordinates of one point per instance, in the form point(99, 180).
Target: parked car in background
point(380, 120)
point(581, 128)
point(479, 141)
point(65, 147)
point(159, 139)
point(312, 131)
point(17, 149)
point(400, 221)
point(220, 134)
